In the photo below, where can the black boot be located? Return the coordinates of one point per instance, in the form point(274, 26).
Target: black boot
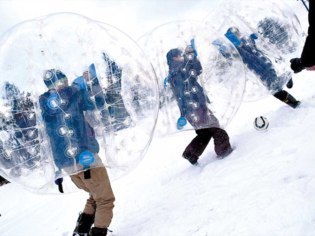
point(98, 231)
point(191, 158)
point(196, 147)
point(287, 98)
point(84, 224)
point(3, 181)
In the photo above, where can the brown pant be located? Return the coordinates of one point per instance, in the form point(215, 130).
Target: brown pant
point(101, 201)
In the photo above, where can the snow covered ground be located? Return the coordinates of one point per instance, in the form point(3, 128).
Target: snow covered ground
point(265, 187)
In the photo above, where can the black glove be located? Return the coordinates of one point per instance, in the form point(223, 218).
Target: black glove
point(296, 65)
point(290, 83)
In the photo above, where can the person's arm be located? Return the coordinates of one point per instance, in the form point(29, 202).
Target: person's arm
point(307, 59)
point(96, 91)
point(308, 53)
point(198, 66)
point(180, 98)
point(89, 88)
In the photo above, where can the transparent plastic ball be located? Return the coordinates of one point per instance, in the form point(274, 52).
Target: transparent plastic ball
point(270, 33)
point(72, 87)
point(274, 21)
point(207, 88)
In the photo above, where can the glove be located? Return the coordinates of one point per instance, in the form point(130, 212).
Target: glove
point(181, 122)
point(290, 83)
point(296, 65)
point(253, 36)
point(59, 183)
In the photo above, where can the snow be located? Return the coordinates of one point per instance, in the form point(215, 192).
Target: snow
point(265, 187)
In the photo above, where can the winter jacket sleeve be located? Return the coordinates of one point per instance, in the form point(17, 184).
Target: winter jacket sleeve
point(177, 88)
point(308, 53)
point(89, 92)
point(198, 67)
point(85, 102)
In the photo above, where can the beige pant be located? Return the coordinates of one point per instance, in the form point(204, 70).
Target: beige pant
point(101, 201)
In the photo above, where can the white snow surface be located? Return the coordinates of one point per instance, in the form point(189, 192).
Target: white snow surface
point(265, 187)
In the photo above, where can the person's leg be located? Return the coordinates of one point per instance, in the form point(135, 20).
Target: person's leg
point(102, 193)
point(90, 204)
point(101, 201)
point(196, 147)
point(221, 140)
point(86, 218)
point(287, 98)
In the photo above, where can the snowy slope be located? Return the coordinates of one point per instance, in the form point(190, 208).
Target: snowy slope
point(265, 187)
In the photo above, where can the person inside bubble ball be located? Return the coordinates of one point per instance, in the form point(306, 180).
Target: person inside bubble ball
point(184, 69)
point(262, 66)
point(70, 136)
point(307, 59)
point(19, 143)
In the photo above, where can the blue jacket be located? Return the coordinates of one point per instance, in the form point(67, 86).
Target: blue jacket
point(66, 125)
point(189, 94)
point(258, 62)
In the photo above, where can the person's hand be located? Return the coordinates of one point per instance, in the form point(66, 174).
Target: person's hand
point(310, 68)
point(290, 83)
point(181, 122)
point(296, 65)
point(190, 52)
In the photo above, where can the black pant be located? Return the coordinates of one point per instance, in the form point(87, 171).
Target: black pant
point(199, 143)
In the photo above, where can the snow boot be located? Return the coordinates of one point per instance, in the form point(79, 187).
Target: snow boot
point(3, 181)
point(287, 98)
point(221, 139)
point(226, 153)
point(84, 224)
point(192, 159)
point(98, 231)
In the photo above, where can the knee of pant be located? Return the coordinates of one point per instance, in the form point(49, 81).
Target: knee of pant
point(218, 132)
point(204, 133)
point(106, 199)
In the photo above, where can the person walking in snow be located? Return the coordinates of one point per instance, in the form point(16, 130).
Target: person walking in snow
point(193, 104)
point(120, 117)
point(70, 136)
point(262, 66)
point(307, 59)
